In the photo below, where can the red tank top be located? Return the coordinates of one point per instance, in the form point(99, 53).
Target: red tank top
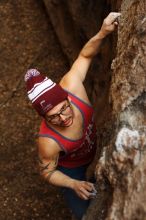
point(76, 152)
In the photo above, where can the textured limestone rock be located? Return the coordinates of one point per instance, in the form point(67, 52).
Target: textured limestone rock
point(122, 162)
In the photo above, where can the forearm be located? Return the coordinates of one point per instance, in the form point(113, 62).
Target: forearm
point(82, 188)
point(57, 178)
point(92, 47)
point(49, 172)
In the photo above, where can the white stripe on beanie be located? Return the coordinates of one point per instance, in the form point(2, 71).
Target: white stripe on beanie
point(47, 89)
point(35, 85)
point(40, 88)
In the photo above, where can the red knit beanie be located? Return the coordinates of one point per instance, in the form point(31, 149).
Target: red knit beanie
point(43, 92)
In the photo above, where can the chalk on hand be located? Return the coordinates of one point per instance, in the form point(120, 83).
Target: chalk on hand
point(93, 193)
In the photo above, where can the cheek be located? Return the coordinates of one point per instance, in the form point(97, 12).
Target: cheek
point(56, 123)
point(72, 114)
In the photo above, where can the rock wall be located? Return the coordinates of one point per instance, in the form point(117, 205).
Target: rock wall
point(121, 168)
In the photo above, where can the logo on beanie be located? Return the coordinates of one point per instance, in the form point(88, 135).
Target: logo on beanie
point(42, 103)
point(31, 73)
point(45, 106)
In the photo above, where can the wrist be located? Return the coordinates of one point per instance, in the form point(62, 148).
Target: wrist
point(101, 35)
point(71, 183)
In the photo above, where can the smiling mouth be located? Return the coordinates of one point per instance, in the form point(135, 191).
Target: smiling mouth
point(67, 122)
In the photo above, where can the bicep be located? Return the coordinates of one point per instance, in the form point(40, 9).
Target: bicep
point(79, 69)
point(48, 165)
point(48, 154)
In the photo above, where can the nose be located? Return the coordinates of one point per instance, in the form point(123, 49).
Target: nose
point(62, 117)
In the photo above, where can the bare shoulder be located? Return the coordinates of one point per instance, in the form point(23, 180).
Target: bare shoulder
point(47, 147)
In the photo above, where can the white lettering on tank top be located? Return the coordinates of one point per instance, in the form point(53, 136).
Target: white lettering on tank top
point(87, 144)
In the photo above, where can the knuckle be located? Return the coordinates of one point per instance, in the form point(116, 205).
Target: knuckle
point(106, 22)
point(83, 183)
point(80, 188)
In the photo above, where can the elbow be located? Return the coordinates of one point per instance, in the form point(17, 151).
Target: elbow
point(47, 176)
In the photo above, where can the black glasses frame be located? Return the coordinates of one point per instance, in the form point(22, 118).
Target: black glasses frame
point(57, 115)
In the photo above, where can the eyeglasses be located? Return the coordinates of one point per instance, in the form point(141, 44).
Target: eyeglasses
point(56, 117)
